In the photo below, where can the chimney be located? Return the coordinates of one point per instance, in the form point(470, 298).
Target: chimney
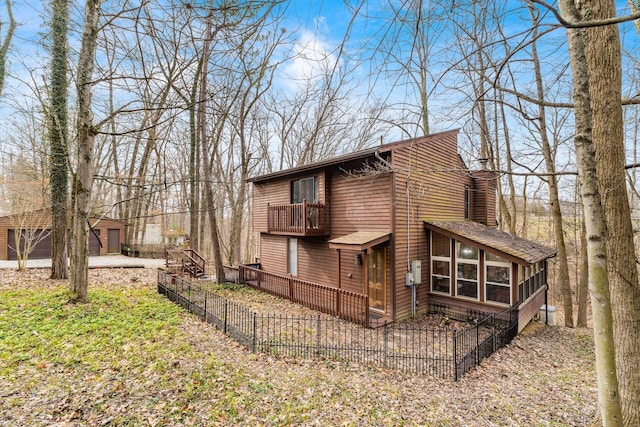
point(484, 203)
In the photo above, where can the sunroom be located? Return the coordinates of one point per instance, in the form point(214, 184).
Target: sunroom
point(481, 268)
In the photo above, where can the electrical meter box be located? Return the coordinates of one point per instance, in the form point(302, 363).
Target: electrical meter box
point(416, 271)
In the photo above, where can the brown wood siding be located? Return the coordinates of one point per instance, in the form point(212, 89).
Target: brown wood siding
point(316, 262)
point(430, 184)
point(360, 204)
point(530, 308)
point(278, 192)
point(273, 253)
point(348, 265)
point(3, 242)
point(462, 304)
point(484, 198)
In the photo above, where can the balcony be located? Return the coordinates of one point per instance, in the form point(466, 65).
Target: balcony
point(298, 219)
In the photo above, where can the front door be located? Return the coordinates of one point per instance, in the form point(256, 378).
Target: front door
point(377, 278)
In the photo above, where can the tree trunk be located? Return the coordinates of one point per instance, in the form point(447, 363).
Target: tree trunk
point(58, 137)
point(583, 282)
point(194, 188)
point(605, 87)
point(202, 122)
point(83, 178)
point(563, 280)
point(6, 43)
point(608, 396)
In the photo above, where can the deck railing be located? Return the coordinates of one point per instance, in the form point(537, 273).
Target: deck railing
point(337, 302)
point(298, 219)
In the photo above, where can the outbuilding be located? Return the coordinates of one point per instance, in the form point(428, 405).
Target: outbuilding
point(106, 235)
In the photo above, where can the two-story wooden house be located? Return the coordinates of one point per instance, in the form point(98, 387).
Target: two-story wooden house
point(406, 223)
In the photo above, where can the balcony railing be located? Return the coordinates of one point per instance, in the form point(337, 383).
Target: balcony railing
point(298, 219)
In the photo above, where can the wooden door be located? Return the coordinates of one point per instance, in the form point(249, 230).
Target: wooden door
point(377, 278)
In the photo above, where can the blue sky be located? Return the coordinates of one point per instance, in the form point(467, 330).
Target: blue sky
point(319, 25)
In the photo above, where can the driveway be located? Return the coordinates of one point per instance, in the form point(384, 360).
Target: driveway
point(105, 261)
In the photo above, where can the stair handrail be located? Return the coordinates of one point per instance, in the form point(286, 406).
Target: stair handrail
point(193, 256)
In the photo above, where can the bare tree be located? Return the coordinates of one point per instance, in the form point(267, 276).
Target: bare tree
point(26, 191)
point(595, 224)
point(83, 176)
point(58, 139)
point(603, 58)
point(6, 42)
point(563, 279)
point(30, 227)
point(210, 34)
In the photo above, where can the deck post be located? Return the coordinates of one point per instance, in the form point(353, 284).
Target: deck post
point(304, 216)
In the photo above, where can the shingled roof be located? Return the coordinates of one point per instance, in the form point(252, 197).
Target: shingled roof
point(492, 238)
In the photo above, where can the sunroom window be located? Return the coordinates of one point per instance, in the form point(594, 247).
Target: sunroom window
point(498, 279)
point(467, 270)
point(440, 263)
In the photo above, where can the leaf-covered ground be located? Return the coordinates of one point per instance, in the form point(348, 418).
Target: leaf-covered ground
point(130, 357)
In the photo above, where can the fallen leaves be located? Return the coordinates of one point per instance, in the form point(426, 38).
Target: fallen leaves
point(188, 373)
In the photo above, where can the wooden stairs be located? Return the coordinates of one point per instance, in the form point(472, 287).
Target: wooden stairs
point(187, 261)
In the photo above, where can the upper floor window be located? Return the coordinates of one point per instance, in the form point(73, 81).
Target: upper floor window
point(304, 189)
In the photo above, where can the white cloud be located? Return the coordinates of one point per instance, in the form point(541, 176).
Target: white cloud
point(312, 58)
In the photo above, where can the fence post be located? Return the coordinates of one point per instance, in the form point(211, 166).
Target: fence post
point(206, 295)
point(226, 311)
point(477, 344)
point(386, 345)
point(455, 355)
point(319, 325)
point(255, 332)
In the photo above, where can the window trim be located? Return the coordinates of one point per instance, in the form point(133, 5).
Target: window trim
point(292, 256)
point(440, 258)
point(299, 181)
point(468, 261)
point(506, 264)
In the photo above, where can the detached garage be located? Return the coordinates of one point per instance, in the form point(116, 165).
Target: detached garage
point(106, 237)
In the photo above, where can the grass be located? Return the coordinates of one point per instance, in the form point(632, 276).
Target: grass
point(131, 357)
point(41, 327)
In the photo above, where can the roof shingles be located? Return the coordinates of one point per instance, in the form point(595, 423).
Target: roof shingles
point(517, 247)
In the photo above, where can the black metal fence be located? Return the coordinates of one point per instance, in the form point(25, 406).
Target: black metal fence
point(442, 350)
